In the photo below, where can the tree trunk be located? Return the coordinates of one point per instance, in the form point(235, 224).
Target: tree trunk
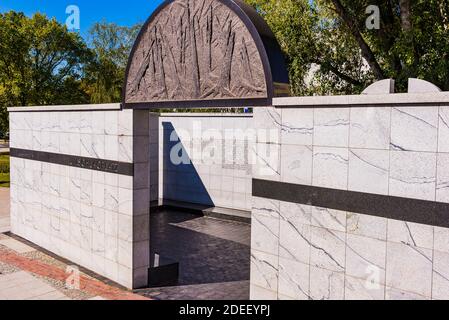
point(367, 53)
point(406, 21)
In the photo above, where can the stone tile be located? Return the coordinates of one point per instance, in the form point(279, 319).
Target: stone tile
point(264, 270)
point(331, 127)
point(125, 255)
point(409, 269)
point(412, 234)
point(297, 127)
point(443, 130)
point(266, 207)
point(296, 164)
point(111, 198)
point(369, 171)
point(440, 280)
point(258, 293)
point(141, 256)
point(125, 227)
point(328, 249)
point(441, 239)
point(98, 146)
point(111, 251)
point(125, 123)
point(293, 279)
point(267, 121)
point(368, 226)
point(125, 149)
point(111, 148)
point(98, 127)
point(294, 241)
point(111, 123)
point(413, 175)
point(326, 285)
point(370, 128)
point(361, 289)
point(267, 161)
point(414, 129)
point(265, 234)
point(330, 167)
point(296, 213)
point(396, 294)
point(329, 219)
point(365, 259)
point(141, 228)
point(442, 192)
point(125, 201)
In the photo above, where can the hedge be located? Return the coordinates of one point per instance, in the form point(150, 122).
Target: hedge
point(4, 166)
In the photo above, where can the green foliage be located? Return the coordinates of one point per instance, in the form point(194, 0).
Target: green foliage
point(111, 45)
point(330, 50)
point(40, 60)
point(40, 63)
point(4, 164)
point(4, 171)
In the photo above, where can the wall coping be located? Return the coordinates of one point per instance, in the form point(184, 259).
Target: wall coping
point(405, 99)
point(205, 115)
point(80, 107)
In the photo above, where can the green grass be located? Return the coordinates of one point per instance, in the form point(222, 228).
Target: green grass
point(4, 176)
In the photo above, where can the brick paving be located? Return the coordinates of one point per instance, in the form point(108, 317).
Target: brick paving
point(46, 273)
point(214, 256)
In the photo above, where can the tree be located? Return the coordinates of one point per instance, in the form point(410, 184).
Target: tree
point(111, 45)
point(330, 50)
point(40, 63)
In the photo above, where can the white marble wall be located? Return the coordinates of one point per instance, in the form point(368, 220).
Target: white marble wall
point(219, 148)
point(305, 252)
point(95, 219)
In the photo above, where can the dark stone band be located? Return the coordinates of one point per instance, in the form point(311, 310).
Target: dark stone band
point(406, 209)
point(122, 168)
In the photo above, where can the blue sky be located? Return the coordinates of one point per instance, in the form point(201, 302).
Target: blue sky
point(122, 12)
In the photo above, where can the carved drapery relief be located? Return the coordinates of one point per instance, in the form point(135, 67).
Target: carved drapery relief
point(195, 50)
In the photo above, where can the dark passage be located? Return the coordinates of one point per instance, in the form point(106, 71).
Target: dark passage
point(214, 256)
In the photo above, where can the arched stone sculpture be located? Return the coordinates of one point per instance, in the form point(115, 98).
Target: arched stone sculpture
point(380, 87)
point(200, 53)
point(421, 86)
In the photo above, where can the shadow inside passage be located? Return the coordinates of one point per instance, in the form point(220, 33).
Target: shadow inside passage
point(181, 181)
point(196, 243)
point(209, 251)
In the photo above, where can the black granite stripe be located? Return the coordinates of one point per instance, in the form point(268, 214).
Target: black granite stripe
point(397, 208)
point(122, 168)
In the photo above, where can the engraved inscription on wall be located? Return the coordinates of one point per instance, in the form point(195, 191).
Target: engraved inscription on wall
point(192, 50)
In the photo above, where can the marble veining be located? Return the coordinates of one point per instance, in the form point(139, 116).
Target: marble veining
point(414, 129)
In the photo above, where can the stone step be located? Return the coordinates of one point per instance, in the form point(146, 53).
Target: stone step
point(207, 211)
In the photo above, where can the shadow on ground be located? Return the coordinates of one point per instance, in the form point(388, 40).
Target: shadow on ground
point(214, 256)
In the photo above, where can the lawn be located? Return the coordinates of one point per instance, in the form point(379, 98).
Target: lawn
point(4, 171)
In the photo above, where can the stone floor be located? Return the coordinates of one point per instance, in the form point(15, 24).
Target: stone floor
point(214, 256)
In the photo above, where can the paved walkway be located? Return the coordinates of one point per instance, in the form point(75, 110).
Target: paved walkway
point(4, 147)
